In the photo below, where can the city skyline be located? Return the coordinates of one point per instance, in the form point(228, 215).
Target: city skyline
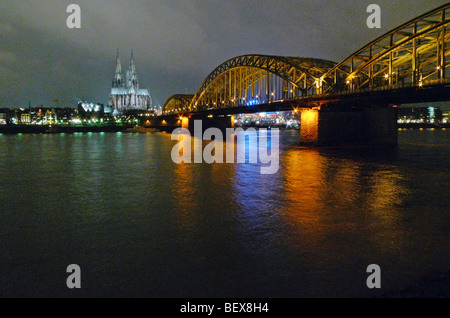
point(177, 44)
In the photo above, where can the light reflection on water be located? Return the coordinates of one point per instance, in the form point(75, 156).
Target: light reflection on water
point(142, 226)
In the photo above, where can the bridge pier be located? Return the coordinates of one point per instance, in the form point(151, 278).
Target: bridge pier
point(352, 126)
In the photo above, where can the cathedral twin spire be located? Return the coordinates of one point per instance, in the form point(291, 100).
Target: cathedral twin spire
point(131, 80)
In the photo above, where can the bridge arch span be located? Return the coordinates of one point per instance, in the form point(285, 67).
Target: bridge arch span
point(413, 54)
point(259, 79)
point(178, 103)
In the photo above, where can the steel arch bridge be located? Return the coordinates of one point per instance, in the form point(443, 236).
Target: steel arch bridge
point(413, 55)
point(177, 103)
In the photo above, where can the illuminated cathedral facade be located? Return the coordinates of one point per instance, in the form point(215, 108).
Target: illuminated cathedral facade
point(126, 94)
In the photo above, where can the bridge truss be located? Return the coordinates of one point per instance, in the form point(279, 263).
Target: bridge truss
point(414, 54)
point(177, 104)
point(257, 79)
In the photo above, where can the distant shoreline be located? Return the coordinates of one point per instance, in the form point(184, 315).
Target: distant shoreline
point(424, 126)
point(47, 129)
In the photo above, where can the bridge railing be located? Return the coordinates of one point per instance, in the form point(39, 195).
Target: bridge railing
point(393, 87)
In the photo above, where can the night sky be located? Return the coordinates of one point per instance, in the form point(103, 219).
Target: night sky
point(176, 43)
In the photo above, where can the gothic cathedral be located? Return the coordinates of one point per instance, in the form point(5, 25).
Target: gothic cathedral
point(125, 92)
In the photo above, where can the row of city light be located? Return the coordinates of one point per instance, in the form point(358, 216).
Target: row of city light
point(75, 121)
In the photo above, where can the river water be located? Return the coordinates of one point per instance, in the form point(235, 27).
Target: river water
point(139, 225)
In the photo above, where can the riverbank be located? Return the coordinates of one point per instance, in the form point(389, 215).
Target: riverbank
point(46, 129)
point(424, 126)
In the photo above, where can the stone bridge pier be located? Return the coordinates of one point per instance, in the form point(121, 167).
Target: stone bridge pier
point(375, 125)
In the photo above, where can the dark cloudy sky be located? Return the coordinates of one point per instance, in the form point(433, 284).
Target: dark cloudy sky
point(177, 43)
